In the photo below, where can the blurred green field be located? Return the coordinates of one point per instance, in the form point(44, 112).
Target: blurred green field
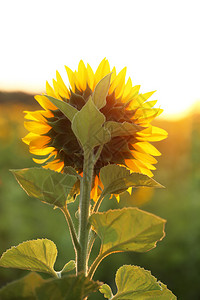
point(175, 261)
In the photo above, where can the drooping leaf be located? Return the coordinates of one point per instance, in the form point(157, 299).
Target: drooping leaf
point(46, 185)
point(117, 179)
point(135, 283)
point(101, 91)
point(106, 290)
point(122, 129)
point(23, 289)
point(87, 126)
point(68, 110)
point(35, 255)
point(70, 287)
point(127, 229)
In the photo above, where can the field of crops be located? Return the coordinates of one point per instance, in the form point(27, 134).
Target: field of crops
point(175, 260)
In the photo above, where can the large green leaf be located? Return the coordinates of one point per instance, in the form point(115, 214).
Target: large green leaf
point(46, 185)
point(101, 91)
point(127, 229)
point(35, 255)
point(87, 126)
point(67, 288)
point(135, 283)
point(68, 110)
point(23, 289)
point(122, 129)
point(33, 287)
point(117, 179)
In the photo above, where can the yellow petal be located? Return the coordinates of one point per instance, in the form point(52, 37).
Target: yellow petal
point(149, 166)
point(82, 76)
point(102, 70)
point(145, 121)
point(94, 191)
point(143, 169)
point(43, 160)
point(146, 147)
point(127, 90)
point(118, 83)
point(36, 127)
point(149, 104)
point(45, 103)
point(49, 90)
point(157, 134)
point(129, 190)
point(43, 151)
point(40, 161)
point(145, 132)
point(90, 77)
point(131, 164)
point(132, 96)
point(144, 157)
point(56, 89)
point(141, 98)
point(55, 165)
point(113, 75)
point(117, 197)
point(30, 137)
point(40, 142)
point(38, 115)
point(63, 90)
point(70, 75)
point(143, 114)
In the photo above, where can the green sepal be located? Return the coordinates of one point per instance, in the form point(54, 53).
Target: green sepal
point(35, 255)
point(117, 179)
point(46, 185)
point(127, 229)
point(122, 129)
point(87, 127)
point(135, 283)
point(68, 110)
point(101, 91)
point(23, 288)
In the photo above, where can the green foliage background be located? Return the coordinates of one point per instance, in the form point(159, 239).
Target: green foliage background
point(175, 261)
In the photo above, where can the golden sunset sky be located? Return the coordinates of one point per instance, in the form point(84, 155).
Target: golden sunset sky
point(157, 40)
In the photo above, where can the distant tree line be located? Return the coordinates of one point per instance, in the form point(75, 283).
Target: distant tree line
point(16, 97)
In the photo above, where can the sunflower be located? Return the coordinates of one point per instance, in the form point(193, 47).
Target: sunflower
point(52, 139)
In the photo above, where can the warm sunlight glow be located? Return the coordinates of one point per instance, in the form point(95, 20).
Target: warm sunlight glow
point(160, 55)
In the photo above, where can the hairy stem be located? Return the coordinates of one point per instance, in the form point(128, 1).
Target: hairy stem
point(71, 229)
point(85, 190)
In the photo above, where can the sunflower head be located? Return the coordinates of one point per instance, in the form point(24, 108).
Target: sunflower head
point(128, 115)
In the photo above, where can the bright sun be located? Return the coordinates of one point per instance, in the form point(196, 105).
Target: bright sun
point(160, 55)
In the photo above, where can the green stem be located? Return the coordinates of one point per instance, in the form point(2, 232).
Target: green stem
point(85, 190)
point(71, 228)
